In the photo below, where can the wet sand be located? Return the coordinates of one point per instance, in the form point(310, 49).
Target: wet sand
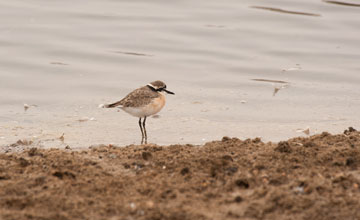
point(302, 178)
point(67, 58)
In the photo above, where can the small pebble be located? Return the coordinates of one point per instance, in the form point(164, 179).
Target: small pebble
point(299, 189)
point(132, 205)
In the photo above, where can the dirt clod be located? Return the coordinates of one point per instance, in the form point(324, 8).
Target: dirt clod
point(225, 138)
point(283, 147)
point(242, 183)
point(62, 175)
point(146, 155)
point(185, 171)
point(32, 152)
point(23, 162)
point(349, 130)
point(227, 157)
point(238, 199)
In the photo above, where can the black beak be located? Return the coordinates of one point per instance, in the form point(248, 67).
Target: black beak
point(167, 91)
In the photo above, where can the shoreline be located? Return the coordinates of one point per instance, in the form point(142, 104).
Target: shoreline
point(314, 177)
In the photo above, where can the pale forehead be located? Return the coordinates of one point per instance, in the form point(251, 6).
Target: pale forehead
point(158, 84)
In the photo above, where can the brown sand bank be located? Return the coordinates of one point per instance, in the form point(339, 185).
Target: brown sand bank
point(302, 178)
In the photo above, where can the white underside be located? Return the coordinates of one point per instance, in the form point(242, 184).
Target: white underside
point(140, 112)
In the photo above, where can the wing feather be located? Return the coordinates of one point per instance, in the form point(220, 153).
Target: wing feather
point(139, 97)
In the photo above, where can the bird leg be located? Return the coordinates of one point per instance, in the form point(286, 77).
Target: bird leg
point(142, 132)
point(145, 130)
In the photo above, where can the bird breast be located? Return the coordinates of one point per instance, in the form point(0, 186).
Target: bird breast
point(155, 105)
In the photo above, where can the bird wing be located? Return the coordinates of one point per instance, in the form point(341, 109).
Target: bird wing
point(139, 97)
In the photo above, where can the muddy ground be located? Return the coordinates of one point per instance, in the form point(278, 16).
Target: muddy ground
point(302, 178)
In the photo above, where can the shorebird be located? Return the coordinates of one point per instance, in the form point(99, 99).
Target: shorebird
point(143, 102)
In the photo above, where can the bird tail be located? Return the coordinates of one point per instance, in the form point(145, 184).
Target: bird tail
point(112, 105)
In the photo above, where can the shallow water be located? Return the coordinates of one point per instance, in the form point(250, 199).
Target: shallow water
point(68, 57)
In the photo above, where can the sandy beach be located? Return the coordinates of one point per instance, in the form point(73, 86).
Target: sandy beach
point(302, 178)
point(263, 93)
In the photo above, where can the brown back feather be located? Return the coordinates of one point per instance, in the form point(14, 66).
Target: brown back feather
point(139, 97)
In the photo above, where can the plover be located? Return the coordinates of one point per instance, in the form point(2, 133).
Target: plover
point(143, 102)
